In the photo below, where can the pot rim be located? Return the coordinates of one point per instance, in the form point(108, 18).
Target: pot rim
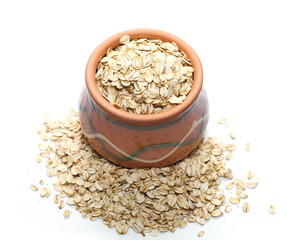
point(142, 119)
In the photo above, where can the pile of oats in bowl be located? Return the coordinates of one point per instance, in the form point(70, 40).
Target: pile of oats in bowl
point(144, 76)
point(149, 200)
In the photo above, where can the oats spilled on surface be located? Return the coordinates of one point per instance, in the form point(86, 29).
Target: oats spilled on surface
point(250, 175)
point(34, 187)
point(245, 207)
point(144, 76)
point(234, 200)
point(222, 121)
point(228, 208)
point(45, 192)
point(232, 135)
point(200, 234)
point(271, 209)
point(247, 147)
point(146, 200)
point(66, 213)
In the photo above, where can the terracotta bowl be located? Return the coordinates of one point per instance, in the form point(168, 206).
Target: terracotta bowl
point(143, 140)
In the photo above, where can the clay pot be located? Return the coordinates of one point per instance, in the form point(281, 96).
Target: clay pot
point(151, 140)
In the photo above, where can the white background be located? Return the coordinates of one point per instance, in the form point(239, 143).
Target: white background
point(44, 47)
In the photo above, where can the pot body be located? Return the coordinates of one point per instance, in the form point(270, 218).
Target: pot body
point(137, 146)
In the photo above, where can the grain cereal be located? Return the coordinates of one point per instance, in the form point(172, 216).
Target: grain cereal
point(144, 76)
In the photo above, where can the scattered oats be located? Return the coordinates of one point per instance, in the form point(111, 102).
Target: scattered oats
point(61, 204)
point(241, 194)
point(146, 200)
point(251, 184)
point(38, 158)
point(245, 207)
point(229, 155)
point(228, 174)
point(200, 234)
point(74, 112)
point(250, 175)
point(247, 147)
point(56, 199)
point(144, 76)
point(43, 147)
point(216, 202)
point(48, 192)
point(232, 135)
point(228, 208)
point(240, 184)
point(182, 224)
point(38, 130)
point(70, 201)
point(216, 152)
point(45, 192)
point(234, 200)
point(271, 209)
point(34, 188)
point(230, 147)
point(222, 120)
point(44, 136)
point(154, 233)
point(229, 185)
point(41, 182)
point(44, 154)
point(122, 227)
point(216, 213)
point(66, 213)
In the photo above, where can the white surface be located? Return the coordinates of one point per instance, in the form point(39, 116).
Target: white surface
point(44, 47)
